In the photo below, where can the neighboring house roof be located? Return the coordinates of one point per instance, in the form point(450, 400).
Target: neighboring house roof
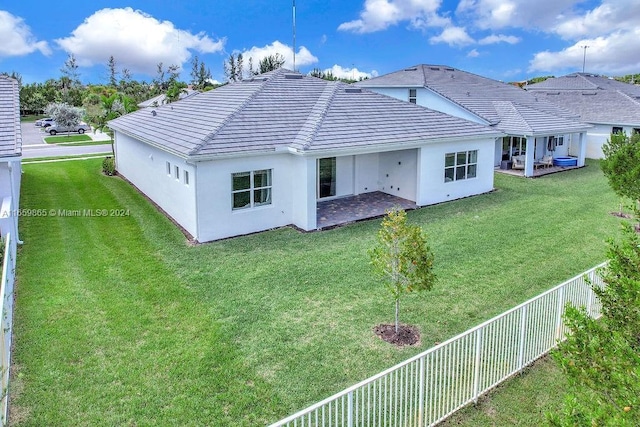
point(161, 99)
point(594, 98)
point(10, 132)
point(485, 98)
point(585, 82)
point(283, 110)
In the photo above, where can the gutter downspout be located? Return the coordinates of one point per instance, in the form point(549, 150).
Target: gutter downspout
point(13, 199)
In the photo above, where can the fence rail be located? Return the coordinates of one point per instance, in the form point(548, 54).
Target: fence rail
point(6, 322)
point(431, 386)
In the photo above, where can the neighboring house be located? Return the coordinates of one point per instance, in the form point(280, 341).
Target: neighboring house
point(161, 99)
point(609, 105)
point(263, 152)
point(535, 128)
point(10, 156)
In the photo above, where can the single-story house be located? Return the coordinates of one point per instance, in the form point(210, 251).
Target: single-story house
point(265, 152)
point(161, 99)
point(607, 104)
point(535, 129)
point(10, 156)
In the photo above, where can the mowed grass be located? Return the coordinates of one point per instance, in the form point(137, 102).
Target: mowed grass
point(119, 321)
point(67, 138)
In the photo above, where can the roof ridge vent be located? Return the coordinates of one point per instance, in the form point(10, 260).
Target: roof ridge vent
point(293, 76)
point(353, 90)
point(411, 69)
point(435, 68)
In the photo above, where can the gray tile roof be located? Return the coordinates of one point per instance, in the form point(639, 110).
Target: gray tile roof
point(286, 110)
point(485, 98)
point(585, 82)
point(597, 106)
point(594, 98)
point(10, 133)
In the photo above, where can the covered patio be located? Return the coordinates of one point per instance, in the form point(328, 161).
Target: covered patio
point(345, 210)
point(538, 172)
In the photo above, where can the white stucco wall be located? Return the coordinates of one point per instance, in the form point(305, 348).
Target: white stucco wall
point(397, 173)
point(290, 196)
point(10, 177)
point(432, 187)
point(599, 135)
point(145, 166)
point(429, 99)
point(366, 173)
point(344, 176)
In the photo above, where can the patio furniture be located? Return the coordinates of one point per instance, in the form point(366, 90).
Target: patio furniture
point(518, 162)
point(547, 161)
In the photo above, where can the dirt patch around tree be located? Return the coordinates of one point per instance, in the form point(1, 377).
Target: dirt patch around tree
point(407, 334)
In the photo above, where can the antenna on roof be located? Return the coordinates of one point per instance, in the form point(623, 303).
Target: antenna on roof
point(294, 35)
point(584, 56)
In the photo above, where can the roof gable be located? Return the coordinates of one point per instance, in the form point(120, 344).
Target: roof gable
point(10, 132)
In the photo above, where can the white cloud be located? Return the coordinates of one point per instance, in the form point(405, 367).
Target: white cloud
point(613, 54)
point(380, 14)
point(453, 36)
point(136, 40)
point(496, 14)
point(499, 38)
point(350, 73)
point(303, 57)
point(16, 37)
point(473, 53)
point(608, 17)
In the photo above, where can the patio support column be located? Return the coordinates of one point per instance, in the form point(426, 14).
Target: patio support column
point(530, 156)
point(582, 149)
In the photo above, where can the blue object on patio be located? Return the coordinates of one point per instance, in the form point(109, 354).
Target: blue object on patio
point(565, 161)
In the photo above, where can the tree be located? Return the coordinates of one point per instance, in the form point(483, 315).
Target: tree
point(621, 165)
point(200, 74)
point(174, 91)
point(271, 63)
point(601, 357)
point(113, 73)
point(233, 67)
point(70, 71)
point(402, 258)
point(64, 114)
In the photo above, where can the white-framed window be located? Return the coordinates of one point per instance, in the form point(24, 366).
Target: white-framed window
point(251, 189)
point(177, 173)
point(413, 96)
point(460, 165)
point(186, 177)
point(616, 129)
point(168, 165)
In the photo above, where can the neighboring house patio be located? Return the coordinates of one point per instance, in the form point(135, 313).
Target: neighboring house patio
point(534, 128)
point(608, 105)
point(286, 149)
point(10, 156)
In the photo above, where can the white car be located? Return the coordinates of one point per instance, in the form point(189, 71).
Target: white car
point(44, 122)
point(80, 128)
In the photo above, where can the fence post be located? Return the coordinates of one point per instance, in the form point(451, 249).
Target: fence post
point(559, 315)
point(476, 374)
point(523, 324)
point(349, 409)
point(421, 393)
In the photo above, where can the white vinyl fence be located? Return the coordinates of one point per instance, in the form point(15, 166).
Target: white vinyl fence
point(429, 387)
point(6, 322)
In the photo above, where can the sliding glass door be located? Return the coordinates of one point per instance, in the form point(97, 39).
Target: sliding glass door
point(326, 177)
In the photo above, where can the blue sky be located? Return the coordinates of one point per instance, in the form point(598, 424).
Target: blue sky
point(502, 39)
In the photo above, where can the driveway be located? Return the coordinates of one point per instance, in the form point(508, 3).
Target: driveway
point(33, 144)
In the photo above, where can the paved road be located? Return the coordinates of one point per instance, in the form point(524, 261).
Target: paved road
point(33, 145)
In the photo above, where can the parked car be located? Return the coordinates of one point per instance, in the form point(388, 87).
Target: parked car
point(80, 128)
point(44, 122)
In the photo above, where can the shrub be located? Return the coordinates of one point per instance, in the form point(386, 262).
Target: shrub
point(109, 166)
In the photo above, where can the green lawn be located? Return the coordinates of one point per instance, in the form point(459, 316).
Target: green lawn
point(120, 321)
point(31, 118)
point(67, 138)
